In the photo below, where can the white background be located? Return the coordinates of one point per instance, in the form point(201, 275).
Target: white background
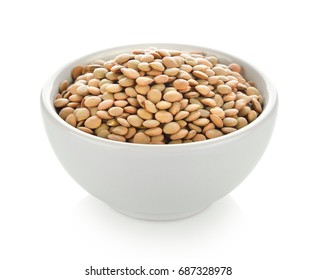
point(52, 229)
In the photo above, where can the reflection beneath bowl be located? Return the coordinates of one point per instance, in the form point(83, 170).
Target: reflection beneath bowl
point(211, 231)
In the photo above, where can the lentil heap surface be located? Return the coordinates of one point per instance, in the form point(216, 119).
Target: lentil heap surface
point(158, 96)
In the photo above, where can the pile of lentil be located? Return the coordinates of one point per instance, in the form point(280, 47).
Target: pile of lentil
point(158, 96)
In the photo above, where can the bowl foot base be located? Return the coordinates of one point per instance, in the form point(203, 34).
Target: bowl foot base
point(160, 216)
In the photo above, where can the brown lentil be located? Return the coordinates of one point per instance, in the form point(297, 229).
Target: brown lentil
point(179, 135)
point(135, 121)
point(163, 116)
point(101, 127)
point(193, 116)
point(115, 137)
point(244, 111)
point(113, 88)
point(171, 128)
point(157, 139)
point(180, 84)
point(208, 127)
point(213, 133)
point(93, 122)
point(162, 105)
point(115, 111)
point(235, 67)
point(155, 131)
point(106, 104)
point(77, 71)
point(231, 112)
point(65, 112)
point(130, 73)
point(86, 129)
point(131, 132)
point(92, 101)
point(157, 66)
point(176, 107)
point(252, 115)
point(144, 81)
point(191, 134)
point(230, 122)
point(82, 114)
point(208, 102)
point(151, 123)
point(61, 102)
point(161, 79)
point(154, 95)
point(103, 133)
point(172, 96)
point(256, 105)
point(71, 119)
point(150, 107)
point(216, 120)
point(93, 90)
point(201, 121)
point(169, 62)
point(242, 122)
point(252, 91)
point(181, 115)
point(227, 130)
point(144, 114)
point(120, 130)
point(199, 137)
point(224, 89)
point(123, 122)
point(200, 75)
point(141, 138)
point(104, 115)
point(192, 107)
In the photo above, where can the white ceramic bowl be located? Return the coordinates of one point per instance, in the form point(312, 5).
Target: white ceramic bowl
point(159, 182)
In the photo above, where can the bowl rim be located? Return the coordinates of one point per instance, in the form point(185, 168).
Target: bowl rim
point(47, 105)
